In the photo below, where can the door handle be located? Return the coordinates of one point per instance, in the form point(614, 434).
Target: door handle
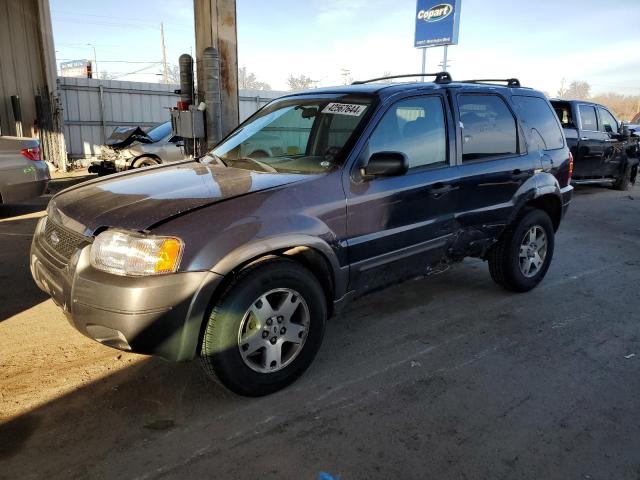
point(584, 138)
point(439, 189)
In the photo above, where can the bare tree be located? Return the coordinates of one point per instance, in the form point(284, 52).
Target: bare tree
point(578, 90)
point(173, 74)
point(624, 107)
point(301, 82)
point(249, 81)
point(562, 91)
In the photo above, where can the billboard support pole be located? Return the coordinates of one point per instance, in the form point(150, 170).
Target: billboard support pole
point(424, 61)
point(444, 60)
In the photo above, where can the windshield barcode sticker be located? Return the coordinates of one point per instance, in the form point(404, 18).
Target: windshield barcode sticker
point(351, 109)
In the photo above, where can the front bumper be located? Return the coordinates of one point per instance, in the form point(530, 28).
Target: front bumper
point(159, 315)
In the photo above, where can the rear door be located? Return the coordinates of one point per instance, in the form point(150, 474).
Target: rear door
point(591, 144)
point(613, 151)
point(398, 226)
point(494, 162)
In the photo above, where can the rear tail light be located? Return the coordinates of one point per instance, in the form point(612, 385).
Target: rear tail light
point(31, 153)
point(570, 167)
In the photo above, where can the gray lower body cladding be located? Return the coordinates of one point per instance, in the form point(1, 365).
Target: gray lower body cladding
point(159, 315)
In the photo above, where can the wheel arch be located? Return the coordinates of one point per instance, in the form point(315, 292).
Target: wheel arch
point(549, 203)
point(312, 252)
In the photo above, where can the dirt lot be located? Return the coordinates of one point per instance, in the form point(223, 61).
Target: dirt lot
point(444, 377)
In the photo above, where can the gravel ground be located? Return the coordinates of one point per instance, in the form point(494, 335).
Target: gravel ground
point(443, 377)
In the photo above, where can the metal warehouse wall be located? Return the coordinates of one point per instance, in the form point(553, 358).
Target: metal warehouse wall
point(21, 70)
point(28, 69)
point(93, 108)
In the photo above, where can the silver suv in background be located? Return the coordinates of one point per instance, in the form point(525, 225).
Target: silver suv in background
point(133, 147)
point(23, 175)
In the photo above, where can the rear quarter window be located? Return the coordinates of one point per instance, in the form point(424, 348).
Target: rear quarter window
point(488, 127)
point(540, 122)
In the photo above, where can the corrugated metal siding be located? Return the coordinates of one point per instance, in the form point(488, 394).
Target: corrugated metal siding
point(20, 69)
point(87, 124)
point(252, 100)
point(88, 121)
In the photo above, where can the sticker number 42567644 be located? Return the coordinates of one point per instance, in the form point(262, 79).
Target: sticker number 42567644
point(351, 109)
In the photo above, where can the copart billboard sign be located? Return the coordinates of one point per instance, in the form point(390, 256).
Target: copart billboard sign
point(437, 23)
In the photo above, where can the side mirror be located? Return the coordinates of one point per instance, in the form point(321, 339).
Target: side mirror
point(625, 132)
point(385, 164)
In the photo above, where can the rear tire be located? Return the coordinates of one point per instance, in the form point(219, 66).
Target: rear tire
point(521, 258)
point(265, 329)
point(627, 179)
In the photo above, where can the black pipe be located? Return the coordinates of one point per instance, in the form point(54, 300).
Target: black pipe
point(186, 78)
point(15, 107)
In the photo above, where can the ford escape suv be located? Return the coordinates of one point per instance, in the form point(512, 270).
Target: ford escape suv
point(239, 258)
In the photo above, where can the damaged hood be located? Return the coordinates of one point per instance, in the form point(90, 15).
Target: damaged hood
point(125, 136)
point(139, 200)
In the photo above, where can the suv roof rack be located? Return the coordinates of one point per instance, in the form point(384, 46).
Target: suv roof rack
point(441, 77)
point(511, 82)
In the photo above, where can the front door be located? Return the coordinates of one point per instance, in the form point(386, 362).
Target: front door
point(397, 227)
point(614, 146)
point(590, 145)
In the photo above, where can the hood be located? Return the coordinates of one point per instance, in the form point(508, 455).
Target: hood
point(125, 136)
point(139, 200)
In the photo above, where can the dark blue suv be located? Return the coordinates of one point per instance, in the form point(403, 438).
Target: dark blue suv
point(240, 257)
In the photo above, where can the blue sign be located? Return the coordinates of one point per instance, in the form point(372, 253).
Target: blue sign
point(437, 23)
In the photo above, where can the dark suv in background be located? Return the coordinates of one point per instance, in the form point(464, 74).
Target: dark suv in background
point(604, 150)
point(239, 258)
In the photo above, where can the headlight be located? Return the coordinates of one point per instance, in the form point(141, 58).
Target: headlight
point(136, 255)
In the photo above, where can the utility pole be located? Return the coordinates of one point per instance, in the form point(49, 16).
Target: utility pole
point(165, 71)
point(215, 26)
point(95, 60)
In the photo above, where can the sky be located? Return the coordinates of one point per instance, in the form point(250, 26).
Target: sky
point(541, 42)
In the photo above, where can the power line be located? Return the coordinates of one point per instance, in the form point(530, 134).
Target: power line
point(109, 61)
point(134, 72)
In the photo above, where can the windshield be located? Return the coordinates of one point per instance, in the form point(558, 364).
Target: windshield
point(301, 135)
point(158, 133)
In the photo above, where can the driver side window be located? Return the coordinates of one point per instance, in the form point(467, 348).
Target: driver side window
point(607, 122)
point(415, 127)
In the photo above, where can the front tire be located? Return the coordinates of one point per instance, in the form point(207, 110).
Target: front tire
point(521, 258)
point(145, 162)
point(266, 328)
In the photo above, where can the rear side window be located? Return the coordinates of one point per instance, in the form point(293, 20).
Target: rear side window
point(540, 121)
point(563, 112)
point(489, 128)
point(588, 117)
point(609, 123)
point(415, 127)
